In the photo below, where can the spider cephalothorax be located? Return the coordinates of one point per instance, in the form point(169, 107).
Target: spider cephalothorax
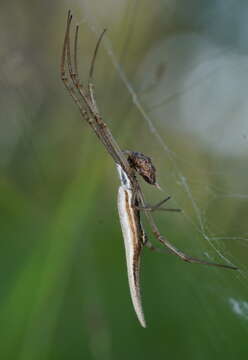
point(143, 165)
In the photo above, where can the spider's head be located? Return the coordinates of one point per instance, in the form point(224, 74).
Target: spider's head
point(143, 165)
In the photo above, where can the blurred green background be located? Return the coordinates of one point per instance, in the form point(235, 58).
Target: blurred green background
point(64, 291)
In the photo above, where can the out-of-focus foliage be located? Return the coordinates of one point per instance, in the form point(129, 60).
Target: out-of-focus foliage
point(63, 288)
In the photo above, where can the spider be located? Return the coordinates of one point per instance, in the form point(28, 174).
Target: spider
point(129, 163)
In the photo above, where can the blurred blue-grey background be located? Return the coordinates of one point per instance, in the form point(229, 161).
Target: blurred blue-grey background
point(171, 81)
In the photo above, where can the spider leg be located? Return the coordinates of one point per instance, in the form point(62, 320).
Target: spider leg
point(86, 102)
point(184, 256)
point(111, 146)
point(162, 202)
point(78, 88)
point(155, 208)
point(110, 143)
point(63, 58)
point(92, 67)
point(158, 206)
point(97, 122)
point(73, 72)
point(63, 74)
point(64, 61)
point(171, 247)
